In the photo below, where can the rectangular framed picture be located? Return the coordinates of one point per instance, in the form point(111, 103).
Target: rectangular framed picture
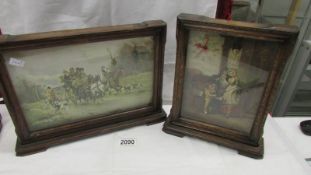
point(225, 80)
point(66, 85)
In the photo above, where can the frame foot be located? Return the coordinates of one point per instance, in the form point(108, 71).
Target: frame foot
point(162, 117)
point(27, 149)
point(166, 128)
point(252, 151)
point(256, 152)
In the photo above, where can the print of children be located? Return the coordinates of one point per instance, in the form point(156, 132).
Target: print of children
point(209, 94)
point(230, 97)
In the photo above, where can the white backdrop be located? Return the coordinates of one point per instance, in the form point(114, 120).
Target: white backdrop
point(29, 16)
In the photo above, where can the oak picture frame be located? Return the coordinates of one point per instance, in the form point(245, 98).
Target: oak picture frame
point(32, 141)
point(180, 123)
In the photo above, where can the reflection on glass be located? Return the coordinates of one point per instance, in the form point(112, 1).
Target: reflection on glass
point(225, 78)
point(65, 84)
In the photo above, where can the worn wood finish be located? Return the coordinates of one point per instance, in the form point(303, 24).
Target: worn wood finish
point(42, 145)
point(0, 122)
point(30, 142)
point(247, 144)
point(1, 101)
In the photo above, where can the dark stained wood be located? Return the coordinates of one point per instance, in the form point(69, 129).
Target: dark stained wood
point(35, 141)
point(1, 101)
point(42, 145)
point(0, 122)
point(244, 149)
point(247, 144)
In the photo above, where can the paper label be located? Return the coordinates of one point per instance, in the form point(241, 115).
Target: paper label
point(16, 62)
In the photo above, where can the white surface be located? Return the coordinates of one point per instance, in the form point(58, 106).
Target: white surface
point(155, 153)
point(291, 128)
point(29, 16)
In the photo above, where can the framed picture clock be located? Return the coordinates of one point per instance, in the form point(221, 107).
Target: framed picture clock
point(225, 80)
point(66, 85)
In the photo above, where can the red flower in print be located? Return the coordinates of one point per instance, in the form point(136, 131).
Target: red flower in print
point(204, 45)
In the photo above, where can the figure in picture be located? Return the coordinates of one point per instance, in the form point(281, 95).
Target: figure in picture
point(67, 85)
point(52, 98)
point(230, 97)
point(209, 95)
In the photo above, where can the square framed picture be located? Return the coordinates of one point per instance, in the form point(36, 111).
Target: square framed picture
point(66, 85)
point(225, 79)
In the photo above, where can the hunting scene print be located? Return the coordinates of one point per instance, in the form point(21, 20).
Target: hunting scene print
point(65, 84)
point(224, 80)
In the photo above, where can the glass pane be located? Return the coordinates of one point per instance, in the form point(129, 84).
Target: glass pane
point(225, 78)
point(65, 84)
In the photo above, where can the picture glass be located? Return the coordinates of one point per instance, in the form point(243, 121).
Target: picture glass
point(64, 84)
point(225, 78)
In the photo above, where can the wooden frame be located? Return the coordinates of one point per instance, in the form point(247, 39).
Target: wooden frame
point(250, 143)
point(39, 140)
point(1, 101)
point(0, 122)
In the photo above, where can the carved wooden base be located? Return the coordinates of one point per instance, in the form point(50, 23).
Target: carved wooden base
point(243, 149)
point(39, 146)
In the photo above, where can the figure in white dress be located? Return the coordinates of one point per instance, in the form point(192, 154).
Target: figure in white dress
point(230, 97)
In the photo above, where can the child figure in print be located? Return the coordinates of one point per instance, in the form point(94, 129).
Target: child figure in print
point(209, 95)
point(230, 97)
point(226, 92)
